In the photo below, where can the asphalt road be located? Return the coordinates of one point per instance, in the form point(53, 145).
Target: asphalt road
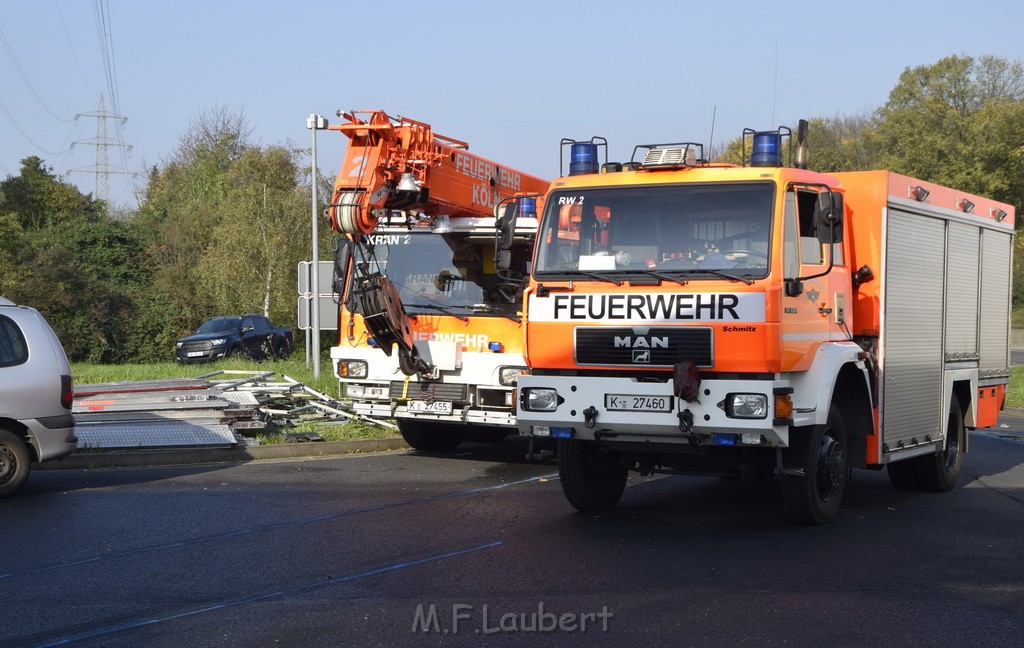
point(481, 549)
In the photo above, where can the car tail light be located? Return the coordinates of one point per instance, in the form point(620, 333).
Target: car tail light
point(67, 391)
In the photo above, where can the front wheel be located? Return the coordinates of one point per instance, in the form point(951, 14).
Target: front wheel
point(15, 462)
point(818, 460)
point(592, 478)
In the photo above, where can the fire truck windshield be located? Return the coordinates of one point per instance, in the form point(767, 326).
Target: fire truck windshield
point(663, 228)
point(444, 273)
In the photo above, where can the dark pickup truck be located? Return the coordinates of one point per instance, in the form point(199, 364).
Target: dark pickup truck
point(247, 336)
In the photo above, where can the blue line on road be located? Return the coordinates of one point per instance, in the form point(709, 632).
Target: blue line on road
point(102, 632)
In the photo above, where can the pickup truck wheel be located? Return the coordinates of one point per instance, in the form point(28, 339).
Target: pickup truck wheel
point(15, 462)
point(430, 437)
point(820, 454)
point(592, 478)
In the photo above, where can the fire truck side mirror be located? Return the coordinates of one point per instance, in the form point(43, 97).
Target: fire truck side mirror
point(828, 217)
point(505, 226)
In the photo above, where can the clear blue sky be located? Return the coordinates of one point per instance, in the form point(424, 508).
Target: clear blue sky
point(510, 78)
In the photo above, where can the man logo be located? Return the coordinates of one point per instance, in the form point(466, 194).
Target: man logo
point(640, 342)
point(642, 356)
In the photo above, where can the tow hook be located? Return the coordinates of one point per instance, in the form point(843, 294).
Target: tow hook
point(686, 427)
point(590, 416)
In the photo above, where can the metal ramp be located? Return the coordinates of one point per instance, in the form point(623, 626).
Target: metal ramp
point(157, 414)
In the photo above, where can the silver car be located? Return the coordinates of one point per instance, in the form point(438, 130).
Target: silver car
point(36, 391)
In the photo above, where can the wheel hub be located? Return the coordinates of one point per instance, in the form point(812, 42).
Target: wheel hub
point(831, 467)
point(7, 465)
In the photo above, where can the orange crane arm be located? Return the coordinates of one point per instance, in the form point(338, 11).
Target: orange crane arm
point(399, 163)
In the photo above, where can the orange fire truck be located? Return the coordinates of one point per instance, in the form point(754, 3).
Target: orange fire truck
point(430, 332)
point(761, 321)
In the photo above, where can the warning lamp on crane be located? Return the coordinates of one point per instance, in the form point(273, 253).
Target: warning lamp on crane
point(528, 207)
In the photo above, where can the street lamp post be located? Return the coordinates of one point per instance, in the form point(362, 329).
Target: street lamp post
point(315, 123)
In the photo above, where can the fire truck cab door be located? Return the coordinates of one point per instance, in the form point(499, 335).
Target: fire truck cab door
point(808, 317)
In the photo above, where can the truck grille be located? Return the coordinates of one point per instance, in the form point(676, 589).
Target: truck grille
point(196, 346)
point(643, 346)
point(430, 391)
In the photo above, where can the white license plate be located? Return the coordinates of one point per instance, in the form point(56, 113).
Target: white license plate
point(433, 407)
point(193, 354)
point(635, 403)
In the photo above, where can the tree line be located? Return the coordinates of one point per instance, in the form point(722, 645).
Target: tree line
point(223, 221)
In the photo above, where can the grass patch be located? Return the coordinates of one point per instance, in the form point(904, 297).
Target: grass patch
point(326, 383)
point(1015, 390)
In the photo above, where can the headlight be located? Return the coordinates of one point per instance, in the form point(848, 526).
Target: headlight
point(179, 344)
point(352, 369)
point(539, 399)
point(746, 406)
point(218, 341)
point(507, 375)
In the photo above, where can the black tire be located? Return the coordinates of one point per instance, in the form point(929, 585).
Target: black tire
point(936, 472)
point(430, 437)
point(903, 475)
point(814, 496)
point(939, 472)
point(234, 353)
point(487, 435)
point(592, 478)
point(15, 463)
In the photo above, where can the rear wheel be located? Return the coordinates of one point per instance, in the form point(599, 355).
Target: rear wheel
point(592, 478)
point(15, 462)
point(813, 497)
point(430, 437)
point(937, 472)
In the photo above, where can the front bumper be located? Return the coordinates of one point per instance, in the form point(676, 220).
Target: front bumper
point(583, 412)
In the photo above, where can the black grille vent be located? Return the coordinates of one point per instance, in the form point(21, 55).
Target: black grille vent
point(196, 346)
point(430, 391)
point(644, 347)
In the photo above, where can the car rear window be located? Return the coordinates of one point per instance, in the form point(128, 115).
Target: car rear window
point(13, 350)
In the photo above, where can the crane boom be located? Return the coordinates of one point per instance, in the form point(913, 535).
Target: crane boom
point(397, 163)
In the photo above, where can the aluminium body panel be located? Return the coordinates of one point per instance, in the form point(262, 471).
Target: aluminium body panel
point(996, 263)
point(963, 291)
point(913, 301)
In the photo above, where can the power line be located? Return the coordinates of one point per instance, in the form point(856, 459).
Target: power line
point(72, 47)
point(21, 130)
point(21, 72)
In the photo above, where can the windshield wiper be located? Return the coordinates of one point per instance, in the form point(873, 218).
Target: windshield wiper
point(718, 273)
point(443, 309)
point(659, 275)
point(501, 312)
point(594, 275)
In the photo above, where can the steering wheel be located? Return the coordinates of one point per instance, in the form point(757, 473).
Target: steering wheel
point(744, 251)
point(504, 292)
